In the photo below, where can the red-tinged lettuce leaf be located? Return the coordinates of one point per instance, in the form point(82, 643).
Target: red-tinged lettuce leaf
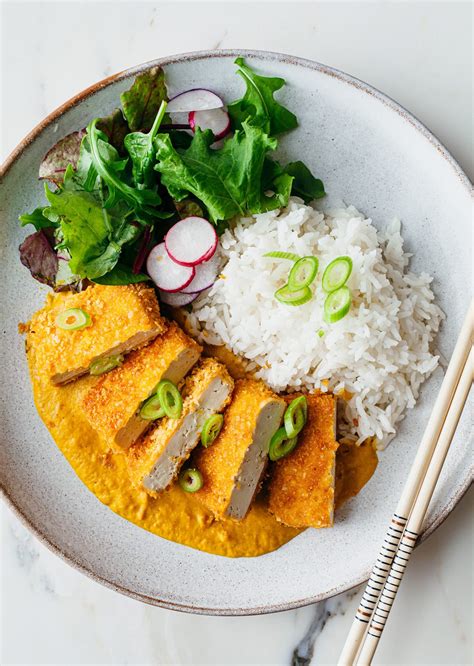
point(64, 152)
point(38, 255)
point(115, 127)
point(141, 103)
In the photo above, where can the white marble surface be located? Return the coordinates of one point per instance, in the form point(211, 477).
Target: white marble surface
point(418, 53)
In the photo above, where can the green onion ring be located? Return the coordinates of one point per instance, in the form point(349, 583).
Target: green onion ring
point(295, 416)
point(73, 319)
point(303, 273)
point(211, 429)
point(152, 409)
point(280, 445)
point(170, 399)
point(104, 364)
point(190, 480)
point(283, 255)
point(336, 274)
point(288, 297)
point(337, 305)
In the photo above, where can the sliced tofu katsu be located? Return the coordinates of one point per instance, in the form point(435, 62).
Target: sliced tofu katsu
point(301, 489)
point(155, 460)
point(233, 465)
point(120, 318)
point(112, 405)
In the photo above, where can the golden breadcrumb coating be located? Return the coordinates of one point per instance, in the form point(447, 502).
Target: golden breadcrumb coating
point(301, 489)
point(122, 318)
point(220, 463)
point(143, 455)
point(115, 399)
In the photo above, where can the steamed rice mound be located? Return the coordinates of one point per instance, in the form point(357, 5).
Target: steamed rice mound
point(381, 352)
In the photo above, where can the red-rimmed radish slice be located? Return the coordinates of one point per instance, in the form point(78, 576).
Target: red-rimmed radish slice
point(216, 120)
point(177, 300)
point(206, 274)
point(197, 99)
point(191, 241)
point(166, 273)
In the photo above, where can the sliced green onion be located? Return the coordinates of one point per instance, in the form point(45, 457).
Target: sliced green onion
point(320, 332)
point(105, 364)
point(285, 295)
point(337, 305)
point(152, 409)
point(190, 480)
point(295, 416)
point(280, 445)
point(302, 273)
point(283, 255)
point(336, 274)
point(211, 429)
point(170, 399)
point(72, 319)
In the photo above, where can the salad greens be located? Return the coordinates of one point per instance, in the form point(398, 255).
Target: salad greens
point(228, 181)
point(116, 186)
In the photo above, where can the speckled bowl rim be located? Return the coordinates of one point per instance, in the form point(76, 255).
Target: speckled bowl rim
point(189, 57)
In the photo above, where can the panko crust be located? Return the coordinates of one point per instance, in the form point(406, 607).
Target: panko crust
point(220, 463)
point(114, 400)
point(301, 489)
point(142, 456)
point(119, 314)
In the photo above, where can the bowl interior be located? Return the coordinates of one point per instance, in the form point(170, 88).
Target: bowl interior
point(368, 152)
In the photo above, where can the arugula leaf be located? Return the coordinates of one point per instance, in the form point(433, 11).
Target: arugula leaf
point(229, 180)
point(141, 103)
point(121, 274)
point(259, 105)
point(142, 152)
point(93, 236)
point(37, 218)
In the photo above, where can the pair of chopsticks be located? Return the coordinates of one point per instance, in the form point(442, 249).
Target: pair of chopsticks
point(406, 522)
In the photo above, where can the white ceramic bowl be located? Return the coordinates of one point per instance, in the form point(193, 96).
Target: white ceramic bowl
point(369, 152)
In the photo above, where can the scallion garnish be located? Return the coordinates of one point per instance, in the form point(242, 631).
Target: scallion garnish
point(288, 297)
point(190, 480)
point(283, 255)
point(73, 319)
point(336, 274)
point(211, 429)
point(280, 445)
point(152, 409)
point(104, 364)
point(302, 273)
point(295, 416)
point(337, 305)
point(170, 398)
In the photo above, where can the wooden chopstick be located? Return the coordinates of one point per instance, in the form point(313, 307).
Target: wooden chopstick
point(413, 483)
point(417, 515)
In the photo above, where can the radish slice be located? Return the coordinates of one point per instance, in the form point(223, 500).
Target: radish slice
point(166, 273)
point(197, 99)
point(191, 241)
point(216, 120)
point(178, 300)
point(206, 274)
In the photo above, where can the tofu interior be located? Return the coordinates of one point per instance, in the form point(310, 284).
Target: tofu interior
point(155, 459)
point(255, 460)
point(186, 436)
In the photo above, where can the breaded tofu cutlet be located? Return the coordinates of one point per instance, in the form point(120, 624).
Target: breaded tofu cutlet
point(156, 458)
point(301, 488)
point(122, 318)
point(112, 405)
point(233, 465)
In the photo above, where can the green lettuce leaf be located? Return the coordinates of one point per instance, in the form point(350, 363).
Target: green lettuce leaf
point(121, 274)
point(93, 236)
point(37, 218)
point(228, 181)
point(304, 185)
point(259, 105)
point(141, 103)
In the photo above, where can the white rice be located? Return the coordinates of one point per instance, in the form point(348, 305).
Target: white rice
point(380, 352)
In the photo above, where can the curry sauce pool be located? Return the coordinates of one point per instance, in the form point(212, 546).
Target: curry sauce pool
point(175, 515)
